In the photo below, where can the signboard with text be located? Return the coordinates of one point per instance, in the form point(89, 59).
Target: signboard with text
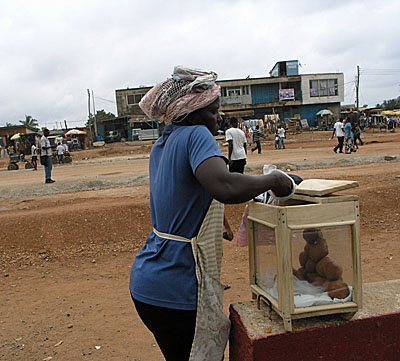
point(304, 123)
point(286, 94)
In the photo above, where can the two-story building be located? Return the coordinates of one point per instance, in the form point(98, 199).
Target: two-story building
point(285, 92)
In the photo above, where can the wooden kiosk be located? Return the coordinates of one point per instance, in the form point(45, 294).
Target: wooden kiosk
point(305, 254)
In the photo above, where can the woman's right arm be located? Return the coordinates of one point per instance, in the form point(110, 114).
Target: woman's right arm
point(230, 188)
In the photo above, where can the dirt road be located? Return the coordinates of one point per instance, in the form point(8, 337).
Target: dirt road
point(66, 248)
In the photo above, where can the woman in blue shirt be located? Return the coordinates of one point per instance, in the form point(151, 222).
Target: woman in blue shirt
point(189, 181)
point(348, 137)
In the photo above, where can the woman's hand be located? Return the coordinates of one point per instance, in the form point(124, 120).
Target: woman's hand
point(282, 184)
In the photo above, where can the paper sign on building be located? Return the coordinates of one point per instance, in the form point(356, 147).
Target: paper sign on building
point(286, 94)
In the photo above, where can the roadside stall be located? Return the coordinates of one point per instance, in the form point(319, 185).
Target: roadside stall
point(324, 119)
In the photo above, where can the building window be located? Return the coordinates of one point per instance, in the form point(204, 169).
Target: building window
point(323, 87)
point(235, 91)
point(134, 98)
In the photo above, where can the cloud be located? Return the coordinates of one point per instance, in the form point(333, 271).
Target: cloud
point(52, 52)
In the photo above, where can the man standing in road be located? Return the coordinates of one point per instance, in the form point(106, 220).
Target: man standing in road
point(338, 129)
point(46, 156)
point(60, 153)
point(281, 133)
point(237, 147)
point(34, 152)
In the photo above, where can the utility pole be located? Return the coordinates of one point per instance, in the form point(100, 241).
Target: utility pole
point(357, 88)
point(357, 96)
point(94, 112)
point(89, 119)
point(88, 93)
point(65, 122)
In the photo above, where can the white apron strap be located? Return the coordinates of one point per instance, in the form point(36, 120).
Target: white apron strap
point(212, 325)
point(171, 236)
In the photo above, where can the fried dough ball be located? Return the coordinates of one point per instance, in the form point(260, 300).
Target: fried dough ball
point(312, 235)
point(303, 258)
point(307, 249)
point(311, 277)
point(336, 289)
point(320, 267)
point(333, 271)
point(318, 280)
point(318, 251)
point(300, 274)
point(310, 266)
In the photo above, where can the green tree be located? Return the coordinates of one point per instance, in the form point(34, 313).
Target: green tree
point(390, 104)
point(101, 115)
point(29, 121)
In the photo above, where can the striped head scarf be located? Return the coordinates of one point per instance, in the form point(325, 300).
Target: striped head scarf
point(186, 91)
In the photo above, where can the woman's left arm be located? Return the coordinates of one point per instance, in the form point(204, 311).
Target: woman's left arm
point(230, 188)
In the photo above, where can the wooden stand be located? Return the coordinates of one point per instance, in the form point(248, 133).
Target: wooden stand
point(299, 213)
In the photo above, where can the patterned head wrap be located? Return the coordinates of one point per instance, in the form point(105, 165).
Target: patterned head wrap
point(187, 91)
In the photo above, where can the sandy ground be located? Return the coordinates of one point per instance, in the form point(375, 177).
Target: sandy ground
point(66, 249)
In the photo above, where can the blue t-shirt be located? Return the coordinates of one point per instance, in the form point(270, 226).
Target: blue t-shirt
point(163, 273)
point(347, 129)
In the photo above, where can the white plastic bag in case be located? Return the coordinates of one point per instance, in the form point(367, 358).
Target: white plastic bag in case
point(273, 199)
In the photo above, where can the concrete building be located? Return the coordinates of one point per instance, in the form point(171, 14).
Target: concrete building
point(285, 92)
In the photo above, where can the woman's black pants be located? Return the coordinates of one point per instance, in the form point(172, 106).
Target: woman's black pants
point(172, 329)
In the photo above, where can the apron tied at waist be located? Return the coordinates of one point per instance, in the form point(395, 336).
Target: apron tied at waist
point(212, 325)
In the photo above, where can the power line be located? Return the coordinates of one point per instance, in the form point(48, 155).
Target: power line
point(371, 71)
point(106, 100)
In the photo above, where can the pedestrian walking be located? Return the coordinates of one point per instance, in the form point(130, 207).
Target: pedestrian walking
point(237, 150)
point(349, 137)
point(250, 136)
point(338, 130)
point(276, 140)
point(256, 139)
point(34, 153)
point(281, 133)
point(60, 153)
point(46, 156)
point(357, 134)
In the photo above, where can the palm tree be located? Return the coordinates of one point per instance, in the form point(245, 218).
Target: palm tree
point(29, 121)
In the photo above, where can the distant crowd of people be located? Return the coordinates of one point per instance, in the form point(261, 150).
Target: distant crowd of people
point(41, 150)
point(348, 135)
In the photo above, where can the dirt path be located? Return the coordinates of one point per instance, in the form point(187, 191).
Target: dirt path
point(66, 252)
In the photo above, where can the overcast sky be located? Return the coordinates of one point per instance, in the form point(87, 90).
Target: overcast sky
point(51, 52)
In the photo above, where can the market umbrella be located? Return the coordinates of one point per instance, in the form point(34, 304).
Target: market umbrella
point(75, 132)
point(15, 136)
point(324, 112)
point(388, 112)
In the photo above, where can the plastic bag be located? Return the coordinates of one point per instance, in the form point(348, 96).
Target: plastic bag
point(273, 199)
point(241, 237)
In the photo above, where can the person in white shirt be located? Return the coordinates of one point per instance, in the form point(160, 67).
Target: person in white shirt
point(338, 129)
point(60, 153)
point(237, 147)
point(34, 152)
point(281, 133)
point(46, 156)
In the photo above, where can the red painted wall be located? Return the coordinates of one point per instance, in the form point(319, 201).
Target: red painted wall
point(369, 339)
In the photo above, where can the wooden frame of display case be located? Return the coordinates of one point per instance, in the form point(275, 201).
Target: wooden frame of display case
point(302, 212)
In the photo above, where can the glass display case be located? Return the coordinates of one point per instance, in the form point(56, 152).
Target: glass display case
point(305, 254)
